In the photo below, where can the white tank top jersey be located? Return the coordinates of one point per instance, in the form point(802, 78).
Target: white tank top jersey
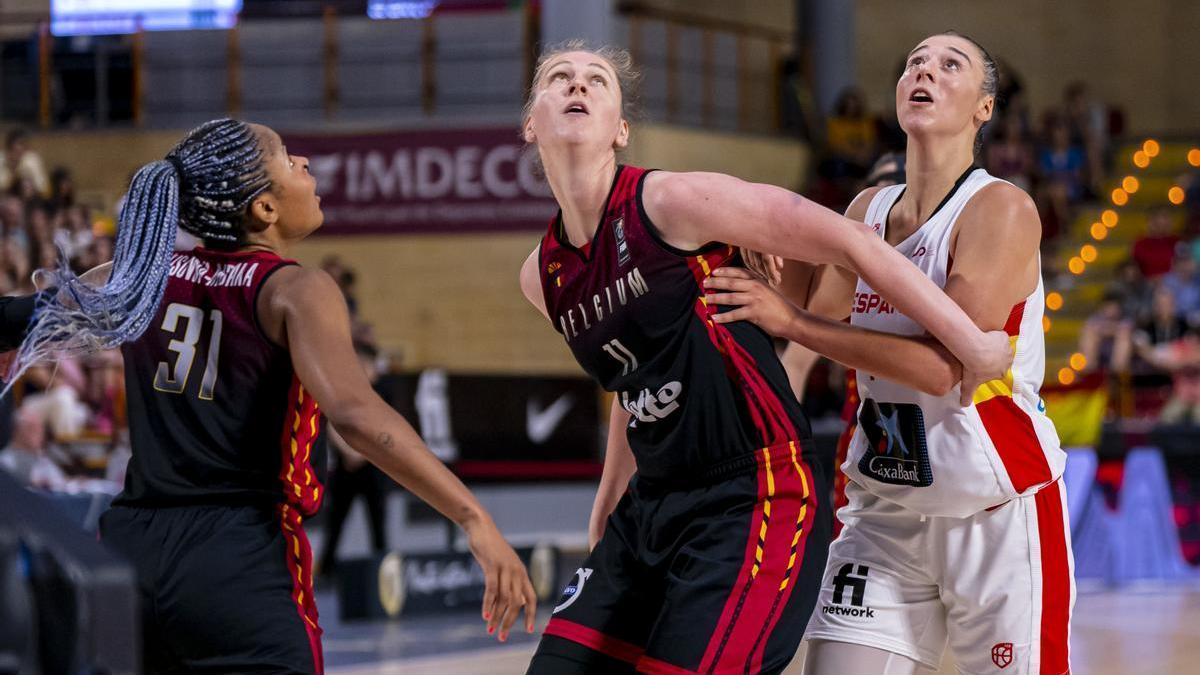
point(928, 453)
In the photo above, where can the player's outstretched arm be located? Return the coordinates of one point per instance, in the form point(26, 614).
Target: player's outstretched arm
point(692, 209)
point(304, 310)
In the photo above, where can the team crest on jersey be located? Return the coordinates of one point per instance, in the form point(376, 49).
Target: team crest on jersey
point(553, 267)
point(623, 256)
point(573, 590)
point(896, 449)
point(1002, 654)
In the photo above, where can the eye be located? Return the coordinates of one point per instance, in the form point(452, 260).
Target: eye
point(596, 79)
point(915, 61)
point(953, 64)
point(560, 75)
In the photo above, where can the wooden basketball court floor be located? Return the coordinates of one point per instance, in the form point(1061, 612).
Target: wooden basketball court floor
point(1142, 631)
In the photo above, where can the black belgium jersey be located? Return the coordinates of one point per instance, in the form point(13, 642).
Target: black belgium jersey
point(703, 396)
point(217, 414)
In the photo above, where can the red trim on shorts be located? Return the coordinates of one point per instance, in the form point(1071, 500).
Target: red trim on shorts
point(300, 565)
point(1056, 581)
point(757, 600)
point(594, 640)
point(1016, 442)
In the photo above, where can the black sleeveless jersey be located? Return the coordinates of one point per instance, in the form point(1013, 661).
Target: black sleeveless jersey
point(703, 397)
point(216, 413)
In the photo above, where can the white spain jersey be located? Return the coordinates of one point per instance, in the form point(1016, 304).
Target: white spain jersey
point(928, 453)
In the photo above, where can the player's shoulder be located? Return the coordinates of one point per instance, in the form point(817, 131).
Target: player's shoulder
point(299, 285)
point(858, 207)
point(1001, 202)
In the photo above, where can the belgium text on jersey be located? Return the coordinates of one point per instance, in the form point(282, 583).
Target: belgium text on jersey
point(632, 283)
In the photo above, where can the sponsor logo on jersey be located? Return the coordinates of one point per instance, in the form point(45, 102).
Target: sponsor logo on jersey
point(574, 589)
point(653, 406)
point(1002, 654)
point(623, 256)
point(896, 450)
point(871, 303)
point(849, 592)
point(553, 267)
point(584, 315)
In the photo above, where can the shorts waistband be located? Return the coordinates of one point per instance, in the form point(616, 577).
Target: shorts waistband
point(780, 454)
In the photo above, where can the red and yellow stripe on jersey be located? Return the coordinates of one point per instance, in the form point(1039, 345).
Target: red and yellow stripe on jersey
point(1008, 426)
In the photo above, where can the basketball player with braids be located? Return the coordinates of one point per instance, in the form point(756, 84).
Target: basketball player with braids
point(709, 528)
point(232, 354)
point(956, 528)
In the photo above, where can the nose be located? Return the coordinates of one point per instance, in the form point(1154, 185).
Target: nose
point(576, 86)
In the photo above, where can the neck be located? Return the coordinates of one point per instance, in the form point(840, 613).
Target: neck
point(580, 181)
point(267, 240)
point(931, 169)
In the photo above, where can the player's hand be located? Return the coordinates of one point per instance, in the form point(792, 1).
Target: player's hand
point(991, 361)
point(769, 267)
point(753, 299)
point(507, 587)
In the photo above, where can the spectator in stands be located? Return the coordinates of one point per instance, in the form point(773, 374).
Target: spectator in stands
point(62, 189)
point(25, 457)
point(1010, 154)
point(1087, 121)
point(1106, 340)
point(1137, 294)
point(18, 162)
point(1181, 358)
point(1164, 323)
point(1061, 167)
point(850, 136)
point(352, 476)
point(1155, 250)
point(1184, 283)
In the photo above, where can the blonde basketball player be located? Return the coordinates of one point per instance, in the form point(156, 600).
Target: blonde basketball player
point(956, 527)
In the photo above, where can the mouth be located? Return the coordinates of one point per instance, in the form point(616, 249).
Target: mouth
point(920, 96)
point(576, 108)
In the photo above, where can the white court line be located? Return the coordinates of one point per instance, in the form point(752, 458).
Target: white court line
point(493, 661)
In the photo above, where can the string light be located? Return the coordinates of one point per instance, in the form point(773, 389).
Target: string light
point(1045, 324)
point(1076, 265)
point(1066, 376)
point(1099, 231)
point(1130, 184)
point(1120, 197)
point(1194, 156)
point(1088, 253)
point(1054, 301)
point(1109, 218)
point(1141, 160)
point(1078, 361)
point(1175, 195)
point(1150, 147)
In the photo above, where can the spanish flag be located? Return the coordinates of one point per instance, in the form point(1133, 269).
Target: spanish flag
point(1078, 409)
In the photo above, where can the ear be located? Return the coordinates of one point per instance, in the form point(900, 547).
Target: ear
point(527, 131)
point(984, 114)
point(263, 212)
point(622, 135)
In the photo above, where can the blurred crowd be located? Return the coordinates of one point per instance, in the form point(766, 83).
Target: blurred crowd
point(63, 427)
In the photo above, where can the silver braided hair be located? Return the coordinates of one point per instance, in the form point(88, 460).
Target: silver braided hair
point(204, 185)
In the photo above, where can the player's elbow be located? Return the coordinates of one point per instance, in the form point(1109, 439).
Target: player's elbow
point(940, 381)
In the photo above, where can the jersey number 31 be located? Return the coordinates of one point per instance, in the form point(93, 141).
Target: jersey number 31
point(174, 380)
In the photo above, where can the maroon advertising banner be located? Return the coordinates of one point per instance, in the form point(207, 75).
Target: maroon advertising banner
point(427, 181)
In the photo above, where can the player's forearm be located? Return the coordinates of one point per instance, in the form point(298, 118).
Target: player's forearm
point(920, 363)
point(912, 293)
point(619, 466)
point(389, 442)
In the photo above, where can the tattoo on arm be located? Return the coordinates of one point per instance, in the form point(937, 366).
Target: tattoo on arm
point(384, 439)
